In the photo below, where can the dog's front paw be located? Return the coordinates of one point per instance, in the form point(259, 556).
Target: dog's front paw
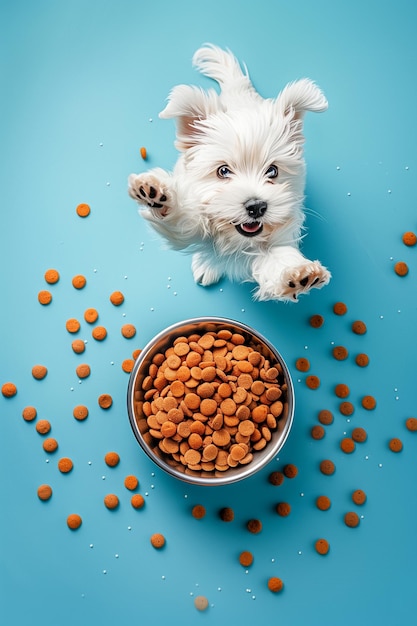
point(205, 273)
point(299, 280)
point(148, 190)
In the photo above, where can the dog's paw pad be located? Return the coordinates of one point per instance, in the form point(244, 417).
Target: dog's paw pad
point(148, 190)
point(299, 280)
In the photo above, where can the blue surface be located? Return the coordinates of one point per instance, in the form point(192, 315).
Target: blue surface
point(82, 85)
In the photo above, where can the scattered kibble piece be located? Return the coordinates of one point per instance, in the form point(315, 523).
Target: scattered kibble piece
point(342, 391)
point(29, 413)
point(78, 346)
point(158, 540)
point(323, 503)
point(143, 153)
point(117, 298)
point(99, 333)
point(275, 584)
point(128, 331)
point(395, 444)
point(127, 365)
point(325, 417)
point(362, 359)
point(327, 467)
point(368, 403)
point(51, 276)
point(200, 602)
point(44, 492)
point(254, 526)
point(74, 521)
point(105, 401)
point(80, 412)
point(346, 408)
point(44, 297)
point(276, 478)
point(359, 497)
point(347, 445)
point(131, 482)
point(359, 327)
point(72, 325)
point(43, 427)
point(313, 382)
point(318, 432)
point(359, 435)
point(339, 308)
point(401, 268)
point(9, 390)
point(39, 371)
point(50, 444)
point(137, 501)
point(409, 238)
point(340, 353)
point(198, 511)
point(83, 210)
point(112, 459)
point(283, 509)
point(65, 465)
point(227, 514)
point(91, 315)
point(302, 364)
point(316, 321)
point(322, 546)
point(352, 519)
point(79, 281)
point(411, 424)
point(246, 558)
point(136, 353)
point(290, 470)
point(111, 501)
point(83, 370)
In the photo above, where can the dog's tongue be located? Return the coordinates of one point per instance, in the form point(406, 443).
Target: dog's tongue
point(250, 227)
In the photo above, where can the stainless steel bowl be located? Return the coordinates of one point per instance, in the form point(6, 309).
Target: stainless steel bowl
point(135, 398)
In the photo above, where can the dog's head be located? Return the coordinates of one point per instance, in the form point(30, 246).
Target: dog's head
point(242, 154)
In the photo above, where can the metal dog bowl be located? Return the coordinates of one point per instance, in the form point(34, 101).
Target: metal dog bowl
point(138, 389)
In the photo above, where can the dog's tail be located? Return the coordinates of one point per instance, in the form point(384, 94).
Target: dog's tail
point(223, 67)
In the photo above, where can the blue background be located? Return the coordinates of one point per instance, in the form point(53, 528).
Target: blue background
point(82, 84)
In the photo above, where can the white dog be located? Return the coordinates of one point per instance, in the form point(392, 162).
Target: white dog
point(235, 197)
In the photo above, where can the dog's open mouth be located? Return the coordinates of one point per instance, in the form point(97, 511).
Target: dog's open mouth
point(249, 229)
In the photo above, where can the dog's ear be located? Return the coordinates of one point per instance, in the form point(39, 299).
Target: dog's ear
point(301, 96)
point(189, 105)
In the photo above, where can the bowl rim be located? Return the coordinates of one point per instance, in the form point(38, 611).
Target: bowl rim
point(251, 468)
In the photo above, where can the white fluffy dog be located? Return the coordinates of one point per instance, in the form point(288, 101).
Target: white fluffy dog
point(235, 197)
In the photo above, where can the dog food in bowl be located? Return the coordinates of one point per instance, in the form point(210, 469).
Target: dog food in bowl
point(210, 400)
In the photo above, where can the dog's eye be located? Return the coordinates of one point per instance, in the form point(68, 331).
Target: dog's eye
point(224, 171)
point(272, 171)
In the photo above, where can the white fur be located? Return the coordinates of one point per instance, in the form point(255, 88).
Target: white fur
point(196, 210)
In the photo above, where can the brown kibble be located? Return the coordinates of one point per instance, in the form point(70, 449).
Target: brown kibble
point(198, 511)
point(79, 281)
point(44, 492)
point(29, 413)
point(50, 445)
point(65, 465)
point(359, 435)
point(325, 417)
point(323, 503)
point(359, 327)
point(127, 365)
point(322, 546)
point(254, 526)
point(313, 382)
point(226, 514)
point(318, 432)
point(39, 371)
point(316, 321)
point(128, 331)
point(283, 509)
point(137, 501)
point(395, 445)
point(143, 153)
point(409, 238)
point(111, 501)
point(368, 403)
point(99, 333)
point(340, 353)
point(91, 315)
point(112, 459)
point(131, 482)
point(347, 445)
point(83, 210)
point(401, 268)
point(362, 359)
point(80, 412)
point(44, 297)
point(74, 521)
point(275, 584)
point(340, 308)
point(352, 519)
point(201, 603)
point(276, 478)
point(43, 427)
point(72, 325)
point(342, 391)
point(78, 346)
point(302, 364)
point(9, 390)
point(51, 276)
point(105, 401)
point(246, 558)
point(411, 424)
point(117, 298)
point(290, 470)
point(327, 467)
point(359, 497)
point(83, 370)
point(158, 540)
point(346, 408)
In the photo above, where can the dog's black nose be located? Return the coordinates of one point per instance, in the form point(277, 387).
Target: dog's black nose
point(255, 208)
